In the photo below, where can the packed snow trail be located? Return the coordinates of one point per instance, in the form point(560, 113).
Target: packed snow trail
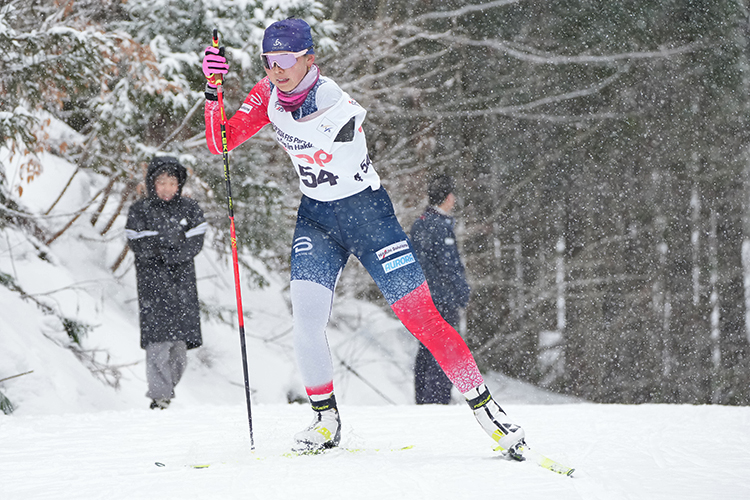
point(650, 452)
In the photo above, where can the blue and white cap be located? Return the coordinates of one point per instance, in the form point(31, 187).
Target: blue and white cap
point(291, 35)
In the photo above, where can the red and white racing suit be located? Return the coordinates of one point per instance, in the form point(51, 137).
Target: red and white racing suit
point(344, 211)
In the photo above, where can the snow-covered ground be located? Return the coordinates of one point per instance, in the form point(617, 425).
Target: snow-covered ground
point(620, 452)
point(74, 436)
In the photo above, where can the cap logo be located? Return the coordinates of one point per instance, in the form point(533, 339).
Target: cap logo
point(277, 42)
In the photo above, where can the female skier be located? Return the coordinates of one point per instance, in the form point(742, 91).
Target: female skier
point(344, 211)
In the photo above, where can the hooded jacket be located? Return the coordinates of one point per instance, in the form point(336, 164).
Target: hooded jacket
point(165, 236)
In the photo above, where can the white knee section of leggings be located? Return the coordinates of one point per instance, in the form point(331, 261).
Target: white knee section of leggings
point(311, 309)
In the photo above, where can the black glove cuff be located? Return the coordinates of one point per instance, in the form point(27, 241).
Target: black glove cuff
point(211, 93)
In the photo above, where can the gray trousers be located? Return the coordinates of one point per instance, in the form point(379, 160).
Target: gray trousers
point(165, 364)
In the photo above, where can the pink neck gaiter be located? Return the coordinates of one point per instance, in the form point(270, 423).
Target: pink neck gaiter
point(291, 101)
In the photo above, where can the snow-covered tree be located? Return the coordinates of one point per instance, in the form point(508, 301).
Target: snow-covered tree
point(613, 132)
point(600, 151)
point(127, 77)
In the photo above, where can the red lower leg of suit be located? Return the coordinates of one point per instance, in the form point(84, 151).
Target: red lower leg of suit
point(419, 315)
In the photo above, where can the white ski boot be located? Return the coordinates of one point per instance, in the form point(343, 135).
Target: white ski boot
point(508, 435)
point(325, 430)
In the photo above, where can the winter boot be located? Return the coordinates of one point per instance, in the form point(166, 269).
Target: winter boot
point(161, 404)
point(325, 430)
point(508, 435)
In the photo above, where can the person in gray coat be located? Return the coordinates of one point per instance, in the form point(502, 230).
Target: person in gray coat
point(165, 232)
point(435, 245)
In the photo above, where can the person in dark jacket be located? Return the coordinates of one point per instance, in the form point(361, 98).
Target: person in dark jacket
point(435, 246)
point(165, 232)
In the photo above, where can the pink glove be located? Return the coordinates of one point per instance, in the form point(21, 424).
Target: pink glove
point(214, 65)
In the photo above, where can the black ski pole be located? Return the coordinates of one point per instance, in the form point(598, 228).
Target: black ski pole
point(233, 236)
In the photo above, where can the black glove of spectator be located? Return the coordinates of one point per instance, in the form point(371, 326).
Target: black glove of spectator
point(171, 237)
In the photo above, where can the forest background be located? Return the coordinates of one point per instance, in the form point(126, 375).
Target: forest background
point(600, 151)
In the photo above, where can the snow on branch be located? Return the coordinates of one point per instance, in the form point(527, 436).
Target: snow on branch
point(466, 9)
point(518, 111)
point(529, 54)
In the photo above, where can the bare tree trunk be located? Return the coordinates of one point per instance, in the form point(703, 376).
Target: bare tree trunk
point(124, 197)
point(120, 258)
point(105, 198)
point(67, 185)
point(72, 221)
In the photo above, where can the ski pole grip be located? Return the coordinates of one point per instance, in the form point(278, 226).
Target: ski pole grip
point(215, 43)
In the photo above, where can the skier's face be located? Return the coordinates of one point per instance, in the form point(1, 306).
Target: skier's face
point(288, 79)
point(166, 186)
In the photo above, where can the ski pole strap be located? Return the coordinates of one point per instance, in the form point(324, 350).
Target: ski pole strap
point(482, 398)
point(324, 404)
